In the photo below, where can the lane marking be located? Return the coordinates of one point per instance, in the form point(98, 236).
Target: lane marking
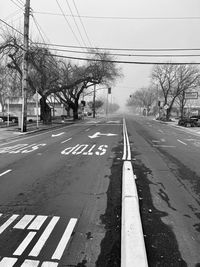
point(24, 244)
point(163, 146)
point(30, 263)
point(181, 142)
point(43, 238)
point(49, 264)
point(8, 222)
point(65, 239)
point(59, 134)
point(24, 221)
point(124, 152)
point(8, 262)
point(163, 140)
point(87, 130)
point(3, 173)
point(161, 131)
point(38, 222)
point(126, 143)
point(66, 140)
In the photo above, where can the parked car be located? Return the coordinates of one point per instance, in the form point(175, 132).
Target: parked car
point(188, 121)
point(4, 117)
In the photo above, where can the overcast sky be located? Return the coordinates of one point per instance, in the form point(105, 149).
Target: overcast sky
point(133, 24)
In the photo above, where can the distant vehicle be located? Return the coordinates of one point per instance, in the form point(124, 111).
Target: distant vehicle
point(4, 117)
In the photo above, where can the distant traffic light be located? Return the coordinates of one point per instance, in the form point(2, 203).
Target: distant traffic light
point(109, 90)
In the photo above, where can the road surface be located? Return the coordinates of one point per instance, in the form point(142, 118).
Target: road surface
point(166, 162)
point(60, 194)
point(60, 197)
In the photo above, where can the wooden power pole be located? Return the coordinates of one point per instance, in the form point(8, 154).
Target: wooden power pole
point(25, 67)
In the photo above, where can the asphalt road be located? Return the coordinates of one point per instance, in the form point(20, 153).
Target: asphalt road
point(166, 162)
point(60, 197)
point(60, 194)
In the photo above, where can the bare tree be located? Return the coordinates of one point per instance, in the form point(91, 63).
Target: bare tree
point(77, 79)
point(173, 80)
point(143, 98)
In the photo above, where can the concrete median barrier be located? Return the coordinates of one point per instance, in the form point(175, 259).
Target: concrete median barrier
point(133, 252)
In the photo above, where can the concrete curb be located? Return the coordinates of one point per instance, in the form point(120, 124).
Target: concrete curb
point(133, 252)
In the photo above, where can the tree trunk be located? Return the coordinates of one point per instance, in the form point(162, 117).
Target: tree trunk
point(45, 111)
point(75, 110)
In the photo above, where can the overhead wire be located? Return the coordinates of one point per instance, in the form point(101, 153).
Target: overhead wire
point(125, 55)
point(82, 23)
point(127, 49)
point(129, 62)
point(68, 22)
point(120, 18)
point(76, 23)
point(18, 5)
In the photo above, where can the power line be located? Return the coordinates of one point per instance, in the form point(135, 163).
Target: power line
point(11, 26)
point(82, 23)
point(127, 49)
point(18, 5)
point(129, 62)
point(120, 18)
point(123, 55)
point(67, 22)
point(40, 30)
point(75, 23)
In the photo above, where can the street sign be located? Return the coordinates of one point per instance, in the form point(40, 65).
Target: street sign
point(166, 106)
point(191, 95)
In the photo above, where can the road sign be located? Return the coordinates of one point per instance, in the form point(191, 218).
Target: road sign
point(191, 95)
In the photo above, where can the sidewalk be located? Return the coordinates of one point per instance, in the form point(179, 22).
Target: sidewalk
point(13, 132)
point(174, 123)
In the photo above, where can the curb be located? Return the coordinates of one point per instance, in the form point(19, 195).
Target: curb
point(133, 252)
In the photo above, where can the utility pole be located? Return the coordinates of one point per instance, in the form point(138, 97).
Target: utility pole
point(25, 67)
point(94, 97)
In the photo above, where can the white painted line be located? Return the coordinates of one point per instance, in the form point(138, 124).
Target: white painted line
point(162, 140)
point(59, 134)
point(30, 263)
point(166, 146)
point(49, 264)
point(24, 221)
point(1, 214)
point(3, 173)
point(124, 152)
point(8, 222)
point(8, 262)
point(65, 239)
point(181, 142)
point(161, 131)
point(37, 223)
point(43, 238)
point(24, 244)
point(87, 130)
point(66, 140)
point(155, 141)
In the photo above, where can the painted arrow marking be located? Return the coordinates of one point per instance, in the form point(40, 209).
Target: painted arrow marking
point(98, 134)
point(55, 135)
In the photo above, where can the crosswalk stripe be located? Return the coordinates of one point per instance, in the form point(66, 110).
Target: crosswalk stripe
point(30, 263)
point(37, 223)
point(24, 243)
point(43, 238)
point(8, 222)
point(49, 264)
point(8, 262)
point(64, 240)
point(24, 222)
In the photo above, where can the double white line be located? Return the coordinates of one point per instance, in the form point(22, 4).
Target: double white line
point(127, 150)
